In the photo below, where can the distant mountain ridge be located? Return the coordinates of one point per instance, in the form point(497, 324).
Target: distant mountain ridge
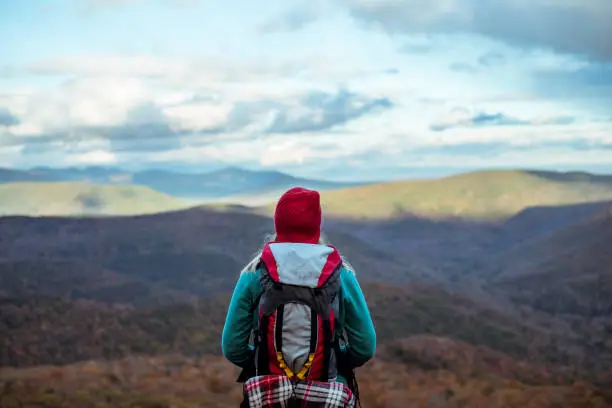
point(38, 198)
point(492, 195)
point(214, 185)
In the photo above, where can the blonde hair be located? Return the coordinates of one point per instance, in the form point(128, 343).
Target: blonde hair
point(253, 263)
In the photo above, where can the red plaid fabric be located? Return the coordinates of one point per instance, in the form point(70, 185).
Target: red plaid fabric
point(278, 391)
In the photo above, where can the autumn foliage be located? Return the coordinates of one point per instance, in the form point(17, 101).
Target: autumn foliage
point(209, 381)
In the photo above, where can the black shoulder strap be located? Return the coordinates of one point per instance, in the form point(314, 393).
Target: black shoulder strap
point(255, 304)
point(250, 370)
point(327, 338)
point(261, 347)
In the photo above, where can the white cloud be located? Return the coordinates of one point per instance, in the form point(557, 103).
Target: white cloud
point(110, 65)
point(528, 23)
point(106, 4)
point(82, 102)
point(513, 136)
point(194, 116)
point(212, 108)
point(537, 157)
point(95, 157)
point(200, 71)
point(10, 156)
point(285, 153)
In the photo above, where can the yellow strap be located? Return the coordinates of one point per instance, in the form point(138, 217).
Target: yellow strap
point(306, 367)
point(283, 365)
point(302, 374)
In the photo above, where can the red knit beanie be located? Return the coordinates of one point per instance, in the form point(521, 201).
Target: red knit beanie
point(298, 216)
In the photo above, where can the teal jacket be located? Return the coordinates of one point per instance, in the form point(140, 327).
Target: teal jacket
point(353, 317)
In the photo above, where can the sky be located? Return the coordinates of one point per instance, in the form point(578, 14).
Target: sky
point(336, 89)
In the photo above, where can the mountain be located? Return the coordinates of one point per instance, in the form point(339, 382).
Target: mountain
point(158, 260)
point(460, 249)
point(209, 246)
point(127, 311)
point(128, 259)
point(10, 176)
point(539, 221)
point(481, 195)
point(231, 183)
point(573, 176)
point(80, 198)
point(566, 272)
point(40, 330)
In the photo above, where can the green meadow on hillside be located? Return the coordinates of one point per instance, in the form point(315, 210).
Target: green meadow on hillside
point(80, 198)
point(483, 195)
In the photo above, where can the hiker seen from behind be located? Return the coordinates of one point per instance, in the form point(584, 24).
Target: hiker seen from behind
point(298, 324)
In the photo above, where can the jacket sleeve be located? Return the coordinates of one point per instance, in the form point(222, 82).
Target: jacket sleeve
point(239, 322)
point(361, 336)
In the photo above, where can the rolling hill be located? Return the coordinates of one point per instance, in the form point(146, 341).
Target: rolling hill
point(80, 198)
point(460, 247)
point(40, 330)
point(230, 183)
point(128, 259)
point(566, 272)
point(163, 259)
point(477, 196)
point(481, 195)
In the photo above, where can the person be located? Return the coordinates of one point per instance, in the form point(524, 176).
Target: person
point(298, 300)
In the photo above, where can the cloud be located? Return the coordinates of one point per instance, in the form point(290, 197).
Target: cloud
point(487, 149)
point(315, 111)
point(146, 129)
point(491, 59)
point(441, 160)
point(193, 72)
point(590, 81)
point(96, 157)
point(463, 68)
point(322, 111)
point(464, 118)
point(7, 118)
point(120, 113)
point(106, 65)
point(532, 24)
point(107, 4)
point(416, 48)
point(256, 101)
point(121, 116)
point(291, 20)
point(484, 62)
point(297, 16)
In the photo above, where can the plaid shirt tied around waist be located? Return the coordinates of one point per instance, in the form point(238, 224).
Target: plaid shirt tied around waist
point(278, 391)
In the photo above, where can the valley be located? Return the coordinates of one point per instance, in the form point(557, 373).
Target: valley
point(493, 309)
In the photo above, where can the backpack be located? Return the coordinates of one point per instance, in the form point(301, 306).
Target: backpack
point(295, 334)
